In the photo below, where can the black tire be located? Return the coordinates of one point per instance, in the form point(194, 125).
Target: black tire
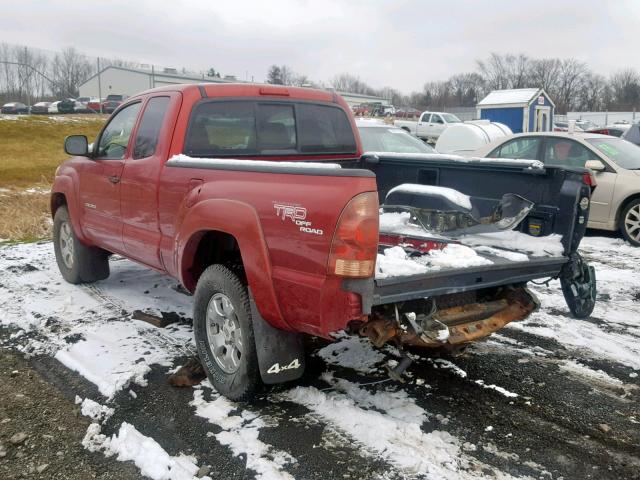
point(80, 264)
point(578, 282)
point(630, 223)
point(216, 282)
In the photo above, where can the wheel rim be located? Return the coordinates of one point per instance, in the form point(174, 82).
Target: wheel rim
point(632, 222)
point(224, 334)
point(66, 244)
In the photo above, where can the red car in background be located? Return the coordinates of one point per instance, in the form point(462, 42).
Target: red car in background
point(360, 110)
point(112, 102)
point(407, 113)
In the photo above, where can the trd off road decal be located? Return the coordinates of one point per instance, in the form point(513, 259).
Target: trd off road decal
point(276, 368)
point(298, 215)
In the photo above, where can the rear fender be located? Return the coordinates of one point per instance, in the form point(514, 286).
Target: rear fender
point(241, 221)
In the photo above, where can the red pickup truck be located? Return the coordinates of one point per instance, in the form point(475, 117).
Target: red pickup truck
point(261, 202)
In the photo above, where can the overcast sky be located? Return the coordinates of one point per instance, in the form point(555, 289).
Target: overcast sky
point(401, 43)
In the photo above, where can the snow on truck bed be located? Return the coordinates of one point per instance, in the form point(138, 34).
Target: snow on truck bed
point(473, 250)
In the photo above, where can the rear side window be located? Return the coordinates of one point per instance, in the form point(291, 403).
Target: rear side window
point(524, 147)
point(236, 128)
point(149, 129)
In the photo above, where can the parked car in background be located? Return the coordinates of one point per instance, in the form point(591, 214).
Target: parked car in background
point(360, 110)
point(14, 108)
point(94, 104)
point(68, 105)
point(564, 127)
point(615, 203)
point(81, 105)
point(586, 124)
point(41, 107)
point(376, 136)
point(429, 126)
point(615, 130)
point(407, 112)
point(53, 107)
point(112, 102)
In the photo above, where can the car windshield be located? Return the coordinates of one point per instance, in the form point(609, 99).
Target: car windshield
point(623, 153)
point(450, 118)
point(395, 140)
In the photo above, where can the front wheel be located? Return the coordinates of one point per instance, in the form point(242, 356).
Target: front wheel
point(224, 333)
point(630, 223)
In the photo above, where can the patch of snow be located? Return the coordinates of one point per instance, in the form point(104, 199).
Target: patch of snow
point(454, 196)
point(352, 352)
point(182, 159)
point(498, 389)
point(515, 162)
point(551, 245)
point(95, 411)
point(240, 432)
point(112, 356)
point(576, 368)
point(147, 454)
point(394, 262)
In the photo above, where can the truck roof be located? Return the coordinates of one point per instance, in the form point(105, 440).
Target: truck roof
point(252, 90)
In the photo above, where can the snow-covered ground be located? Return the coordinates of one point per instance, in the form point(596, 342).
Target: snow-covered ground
point(499, 411)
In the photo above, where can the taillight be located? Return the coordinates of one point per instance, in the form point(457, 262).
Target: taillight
point(588, 178)
point(355, 243)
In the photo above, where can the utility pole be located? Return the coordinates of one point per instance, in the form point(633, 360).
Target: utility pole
point(99, 86)
point(153, 76)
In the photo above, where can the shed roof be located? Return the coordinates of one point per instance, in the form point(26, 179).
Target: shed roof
point(508, 97)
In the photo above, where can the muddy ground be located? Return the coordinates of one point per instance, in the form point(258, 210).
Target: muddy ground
point(552, 397)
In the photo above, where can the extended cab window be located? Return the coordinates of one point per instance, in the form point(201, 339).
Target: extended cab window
point(233, 128)
point(115, 137)
point(436, 119)
point(149, 129)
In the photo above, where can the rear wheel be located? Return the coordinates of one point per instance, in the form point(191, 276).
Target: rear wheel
point(224, 333)
point(78, 263)
point(630, 223)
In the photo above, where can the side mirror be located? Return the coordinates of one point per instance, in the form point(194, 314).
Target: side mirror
point(595, 165)
point(76, 145)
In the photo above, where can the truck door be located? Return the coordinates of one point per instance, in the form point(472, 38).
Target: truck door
point(422, 129)
point(139, 194)
point(436, 126)
point(100, 181)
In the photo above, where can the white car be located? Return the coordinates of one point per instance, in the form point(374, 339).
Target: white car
point(615, 203)
point(53, 108)
point(429, 126)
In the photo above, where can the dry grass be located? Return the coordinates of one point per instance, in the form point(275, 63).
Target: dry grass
point(31, 148)
point(24, 216)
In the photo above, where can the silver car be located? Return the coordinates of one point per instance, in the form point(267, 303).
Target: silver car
point(615, 203)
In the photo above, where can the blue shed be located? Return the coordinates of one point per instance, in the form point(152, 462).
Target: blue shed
point(521, 109)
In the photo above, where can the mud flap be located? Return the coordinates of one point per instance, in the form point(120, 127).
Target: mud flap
point(280, 353)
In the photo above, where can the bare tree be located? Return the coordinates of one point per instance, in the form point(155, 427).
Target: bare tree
point(69, 70)
point(346, 82)
point(571, 76)
point(544, 73)
point(625, 87)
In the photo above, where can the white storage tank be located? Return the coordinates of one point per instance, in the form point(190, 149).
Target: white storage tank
point(465, 138)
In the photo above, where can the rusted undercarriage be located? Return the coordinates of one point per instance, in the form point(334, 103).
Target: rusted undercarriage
point(448, 320)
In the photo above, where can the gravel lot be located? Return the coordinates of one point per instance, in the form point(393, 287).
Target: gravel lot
point(551, 397)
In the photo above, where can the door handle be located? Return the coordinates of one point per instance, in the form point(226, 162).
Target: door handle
point(114, 179)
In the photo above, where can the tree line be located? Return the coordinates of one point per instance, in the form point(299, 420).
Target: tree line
point(28, 74)
point(572, 84)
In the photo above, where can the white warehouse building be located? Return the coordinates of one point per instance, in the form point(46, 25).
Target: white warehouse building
point(130, 81)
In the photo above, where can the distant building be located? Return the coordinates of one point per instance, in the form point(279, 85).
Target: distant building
point(129, 81)
point(522, 110)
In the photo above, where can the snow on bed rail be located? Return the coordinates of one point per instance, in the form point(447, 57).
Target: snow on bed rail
point(450, 194)
point(512, 162)
point(237, 162)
